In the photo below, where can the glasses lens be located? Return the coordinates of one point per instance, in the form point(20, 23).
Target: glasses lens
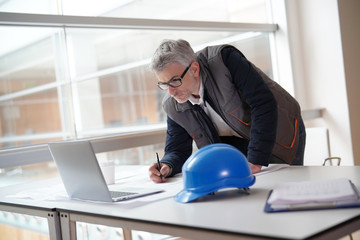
point(163, 86)
point(175, 83)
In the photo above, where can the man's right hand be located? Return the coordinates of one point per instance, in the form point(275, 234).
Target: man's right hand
point(154, 172)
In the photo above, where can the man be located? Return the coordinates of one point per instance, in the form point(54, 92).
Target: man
point(217, 95)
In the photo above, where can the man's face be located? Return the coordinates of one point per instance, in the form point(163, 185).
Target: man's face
point(189, 84)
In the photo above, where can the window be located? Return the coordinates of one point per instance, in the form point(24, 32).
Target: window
point(67, 77)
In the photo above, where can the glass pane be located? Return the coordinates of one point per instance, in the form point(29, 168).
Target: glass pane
point(141, 235)
point(122, 101)
point(89, 231)
point(200, 10)
point(26, 58)
point(34, 107)
point(21, 226)
point(36, 6)
point(144, 155)
point(27, 173)
point(113, 88)
point(31, 119)
point(120, 50)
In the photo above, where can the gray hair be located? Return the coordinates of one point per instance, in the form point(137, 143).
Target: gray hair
point(171, 51)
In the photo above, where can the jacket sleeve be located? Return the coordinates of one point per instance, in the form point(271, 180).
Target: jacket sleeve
point(263, 105)
point(178, 146)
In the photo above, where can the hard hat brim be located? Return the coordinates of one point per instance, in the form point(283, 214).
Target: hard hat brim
point(186, 196)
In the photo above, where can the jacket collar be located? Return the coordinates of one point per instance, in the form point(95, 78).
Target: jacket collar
point(181, 107)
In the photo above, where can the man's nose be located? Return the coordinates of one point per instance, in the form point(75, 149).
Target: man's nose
point(171, 90)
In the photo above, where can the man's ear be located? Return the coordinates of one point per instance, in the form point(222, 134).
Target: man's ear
point(195, 69)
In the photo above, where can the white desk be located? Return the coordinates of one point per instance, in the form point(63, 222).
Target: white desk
point(221, 216)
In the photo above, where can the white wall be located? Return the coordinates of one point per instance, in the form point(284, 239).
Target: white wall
point(318, 69)
point(350, 37)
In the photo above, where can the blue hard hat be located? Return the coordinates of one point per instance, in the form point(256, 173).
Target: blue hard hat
point(212, 168)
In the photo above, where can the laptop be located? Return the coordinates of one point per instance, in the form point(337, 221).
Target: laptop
point(82, 176)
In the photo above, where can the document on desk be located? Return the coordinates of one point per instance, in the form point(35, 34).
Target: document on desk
point(141, 178)
point(129, 176)
point(54, 193)
point(307, 195)
point(271, 168)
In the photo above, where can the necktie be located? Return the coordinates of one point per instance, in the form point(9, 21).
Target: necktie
point(206, 123)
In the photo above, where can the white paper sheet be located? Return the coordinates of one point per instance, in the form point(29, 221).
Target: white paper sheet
point(129, 176)
point(322, 191)
point(271, 168)
point(53, 193)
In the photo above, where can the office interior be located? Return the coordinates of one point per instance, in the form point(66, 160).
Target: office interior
point(71, 72)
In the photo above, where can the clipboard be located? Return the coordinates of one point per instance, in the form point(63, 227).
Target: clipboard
point(269, 208)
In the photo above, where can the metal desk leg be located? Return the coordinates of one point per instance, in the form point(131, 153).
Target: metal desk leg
point(127, 234)
point(54, 225)
point(68, 228)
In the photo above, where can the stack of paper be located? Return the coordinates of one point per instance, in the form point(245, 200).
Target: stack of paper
point(332, 193)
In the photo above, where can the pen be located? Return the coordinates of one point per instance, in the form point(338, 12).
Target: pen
point(158, 165)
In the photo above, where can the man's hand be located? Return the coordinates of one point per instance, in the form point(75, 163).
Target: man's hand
point(154, 172)
point(255, 168)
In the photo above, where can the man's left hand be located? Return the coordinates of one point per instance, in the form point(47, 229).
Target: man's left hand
point(255, 168)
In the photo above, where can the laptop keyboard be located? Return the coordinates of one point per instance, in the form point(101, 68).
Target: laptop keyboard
point(115, 194)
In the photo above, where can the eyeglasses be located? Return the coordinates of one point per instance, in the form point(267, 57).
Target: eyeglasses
point(176, 82)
